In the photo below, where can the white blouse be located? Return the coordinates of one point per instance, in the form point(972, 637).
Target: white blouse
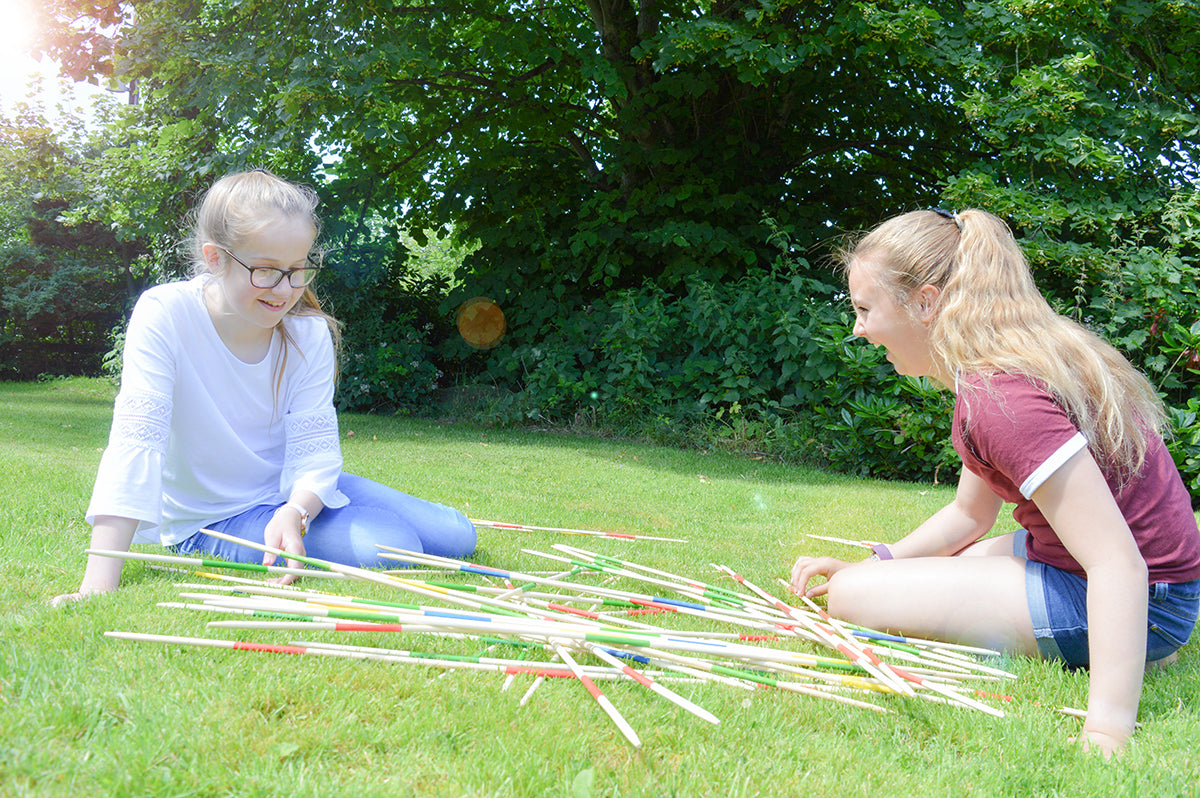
point(199, 435)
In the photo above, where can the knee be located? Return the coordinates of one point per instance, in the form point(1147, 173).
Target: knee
point(465, 537)
point(836, 598)
point(453, 535)
point(847, 591)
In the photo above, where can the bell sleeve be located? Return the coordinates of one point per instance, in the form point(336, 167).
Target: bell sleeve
point(312, 458)
point(129, 479)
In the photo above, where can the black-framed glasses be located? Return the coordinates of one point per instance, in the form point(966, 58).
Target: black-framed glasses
point(269, 276)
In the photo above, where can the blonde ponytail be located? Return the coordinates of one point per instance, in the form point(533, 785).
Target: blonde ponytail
point(991, 318)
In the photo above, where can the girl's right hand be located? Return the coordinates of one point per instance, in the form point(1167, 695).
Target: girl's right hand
point(808, 568)
point(102, 574)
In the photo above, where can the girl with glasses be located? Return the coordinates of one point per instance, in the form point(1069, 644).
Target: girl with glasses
point(1103, 572)
point(225, 416)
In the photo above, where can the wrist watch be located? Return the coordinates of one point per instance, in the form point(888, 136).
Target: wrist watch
point(303, 516)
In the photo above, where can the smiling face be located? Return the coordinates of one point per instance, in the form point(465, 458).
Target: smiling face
point(245, 316)
point(903, 331)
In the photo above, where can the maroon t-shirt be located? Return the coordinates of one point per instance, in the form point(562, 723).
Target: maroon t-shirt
point(1013, 435)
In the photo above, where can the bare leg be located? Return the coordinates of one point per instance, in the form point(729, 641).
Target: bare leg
point(999, 546)
point(976, 600)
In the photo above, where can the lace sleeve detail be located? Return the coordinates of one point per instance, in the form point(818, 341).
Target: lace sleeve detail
point(312, 459)
point(129, 479)
point(141, 419)
point(312, 435)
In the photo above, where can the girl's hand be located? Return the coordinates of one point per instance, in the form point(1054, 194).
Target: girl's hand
point(78, 595)
point(103, 574)
point(283, 532)
point(808, 568)
point(1103, 742)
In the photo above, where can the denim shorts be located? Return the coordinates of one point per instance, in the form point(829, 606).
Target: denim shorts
point(1058, 603)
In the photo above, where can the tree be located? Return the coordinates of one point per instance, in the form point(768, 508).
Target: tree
point(590, 146)
point(585, 146)
point(1092, 111)
point(61, 284)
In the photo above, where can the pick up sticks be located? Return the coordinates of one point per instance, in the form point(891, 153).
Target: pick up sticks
point(564, 531)
point(703, 633)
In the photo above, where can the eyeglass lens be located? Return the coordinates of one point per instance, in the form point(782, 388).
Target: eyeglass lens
point(265, 277)
point(269, 276)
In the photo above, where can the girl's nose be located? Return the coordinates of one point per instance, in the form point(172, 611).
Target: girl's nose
point(858, 328)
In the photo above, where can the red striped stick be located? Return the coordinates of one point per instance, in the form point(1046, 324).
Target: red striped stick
point(314, 650)
point(848, 647)
point(877, 666)
point(600, 697)
point(948, 692)
point(654, 686)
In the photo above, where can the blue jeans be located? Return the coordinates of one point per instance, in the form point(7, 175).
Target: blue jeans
point(347, 535)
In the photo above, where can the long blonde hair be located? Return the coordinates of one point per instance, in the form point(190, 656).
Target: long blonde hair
point(242, 204)
point(991, 317)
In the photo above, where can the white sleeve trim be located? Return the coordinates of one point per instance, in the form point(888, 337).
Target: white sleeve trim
point(1052, 464)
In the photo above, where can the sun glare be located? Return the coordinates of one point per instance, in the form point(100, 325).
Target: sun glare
point(16, 65)
point(18, 70)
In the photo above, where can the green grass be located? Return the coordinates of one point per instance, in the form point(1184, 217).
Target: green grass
point(81, 714)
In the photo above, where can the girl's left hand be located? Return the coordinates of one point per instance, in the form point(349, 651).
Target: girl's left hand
point(808, 568)
point(283, 532)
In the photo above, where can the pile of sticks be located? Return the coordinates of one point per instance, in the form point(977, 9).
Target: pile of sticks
point(564, 625)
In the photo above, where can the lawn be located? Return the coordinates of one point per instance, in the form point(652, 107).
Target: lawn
point(83, 714)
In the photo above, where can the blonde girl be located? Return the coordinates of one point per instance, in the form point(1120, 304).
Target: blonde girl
point(1104, 572)
point(225, 416)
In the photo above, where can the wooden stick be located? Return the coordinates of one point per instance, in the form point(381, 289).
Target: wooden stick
point(725, 614)
point(432, 661)
point(931, 651)
point(528, 619)
point(529, 693)
point(201, 562)
point(408, 585)
point(599, 696)
point(389, 552)
point(564, 531)
point(654, 686)
point(710, 591)
point(537, 682)
point(847, 645)
point(866, 544)
point(882, 669)
point(522, 666)
point(757, 677)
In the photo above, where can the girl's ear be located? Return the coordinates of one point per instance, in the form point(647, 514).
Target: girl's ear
point(927, 301)
point(212, 257)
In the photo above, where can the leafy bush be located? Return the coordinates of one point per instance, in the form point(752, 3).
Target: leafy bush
point(763, 362)
point(390, 341)
point(1184, 444)
point(871, 421)
point(394, 374)
point(54, 315)
point(768, 363)
point(1148, 310)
